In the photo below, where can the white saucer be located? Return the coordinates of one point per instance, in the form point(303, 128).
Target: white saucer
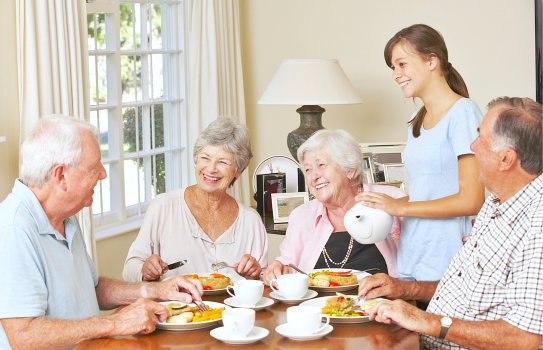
point(310, 294)
point(284, 330)
point(256, 334)
point(262, 303)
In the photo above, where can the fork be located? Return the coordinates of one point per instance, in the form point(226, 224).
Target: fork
point(201, 306)
point(220, 265)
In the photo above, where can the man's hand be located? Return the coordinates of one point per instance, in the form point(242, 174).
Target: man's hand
point(140, 317)
point(381, 285)
point(249, 267)
point(153, 268)
point(274, 270)
point(176, 288)
point(405, 315)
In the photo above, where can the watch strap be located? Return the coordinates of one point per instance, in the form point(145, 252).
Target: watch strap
point(446, 323)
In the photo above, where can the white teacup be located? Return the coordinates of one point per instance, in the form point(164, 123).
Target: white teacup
point(246, 292)
point(238, 321)
point(306, 320)
point(367, 225)
point(291, 286)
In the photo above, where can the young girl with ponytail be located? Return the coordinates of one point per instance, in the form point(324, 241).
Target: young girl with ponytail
point(443, 186)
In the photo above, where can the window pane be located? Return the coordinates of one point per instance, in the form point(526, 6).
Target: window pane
point(158, 166)
point(101, 200)
point(134, 184)
point(131, 77)
point(156, 26)
point(92, 81)
point(100, 120)
point(100, 31)
point(133, 129)
point(157, 79)
point(157, 120)
point(102, 78)
point(90, 32)
point(130, 26)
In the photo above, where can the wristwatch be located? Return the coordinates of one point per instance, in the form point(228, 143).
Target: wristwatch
point(446, 323)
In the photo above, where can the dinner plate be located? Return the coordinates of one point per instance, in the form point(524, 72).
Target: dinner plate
point(233, 277)
point(191, 325)
point(256, 334)
point(359, 276)
point(279, 164)
point(321, 302)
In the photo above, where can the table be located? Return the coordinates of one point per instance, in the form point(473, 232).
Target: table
point(370, 335)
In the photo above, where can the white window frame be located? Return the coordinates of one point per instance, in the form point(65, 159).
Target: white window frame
point(121, 219)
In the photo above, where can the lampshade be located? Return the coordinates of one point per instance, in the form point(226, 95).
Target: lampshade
point(310, 82)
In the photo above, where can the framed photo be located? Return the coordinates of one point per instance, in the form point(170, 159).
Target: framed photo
point(395, 172)
point(284, 203)
point(368, 170)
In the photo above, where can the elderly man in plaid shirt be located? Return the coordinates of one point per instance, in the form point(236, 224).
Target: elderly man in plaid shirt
point(491, 296)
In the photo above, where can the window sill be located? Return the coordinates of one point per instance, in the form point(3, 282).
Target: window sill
point(117, 230)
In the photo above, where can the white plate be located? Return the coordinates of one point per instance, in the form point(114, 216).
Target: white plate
point(279, 164)
point(256, 334)
point(359, 276)
point(285, 331)
point(233, 277)
point(262, 303)
point(310, 294)
point(321, 302)
point(191, 325)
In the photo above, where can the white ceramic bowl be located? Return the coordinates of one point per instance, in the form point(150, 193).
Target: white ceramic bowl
point(367, 225)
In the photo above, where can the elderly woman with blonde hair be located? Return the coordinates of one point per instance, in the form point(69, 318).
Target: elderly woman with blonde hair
point(202, 223)
point(316, 237)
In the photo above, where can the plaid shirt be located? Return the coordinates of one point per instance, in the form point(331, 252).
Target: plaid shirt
point(498, 274)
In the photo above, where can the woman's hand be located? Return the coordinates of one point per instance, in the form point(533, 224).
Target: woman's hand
point(153, 268)
point(274, 270)
point(248, 267)
point(393, 206)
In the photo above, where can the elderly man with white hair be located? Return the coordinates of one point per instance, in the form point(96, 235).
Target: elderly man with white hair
point(51, 293)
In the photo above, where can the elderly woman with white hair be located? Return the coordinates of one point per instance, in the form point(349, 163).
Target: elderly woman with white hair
point(316, 237)
point(202, 223)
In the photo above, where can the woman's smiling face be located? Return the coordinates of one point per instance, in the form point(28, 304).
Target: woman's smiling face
point(215, 169)
point(409, 70)
point(325, 178)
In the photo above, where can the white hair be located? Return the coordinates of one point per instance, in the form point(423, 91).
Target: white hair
point(56, 139)
point(342, 149)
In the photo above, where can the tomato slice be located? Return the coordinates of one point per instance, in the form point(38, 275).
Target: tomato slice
point(333, 284)
point(208, 288)
point(340, 273)
point(340, 299)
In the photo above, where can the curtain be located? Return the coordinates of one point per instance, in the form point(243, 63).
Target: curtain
point(215, 72)
point(52, 70)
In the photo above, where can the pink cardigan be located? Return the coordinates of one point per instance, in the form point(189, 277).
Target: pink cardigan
point(309, 229)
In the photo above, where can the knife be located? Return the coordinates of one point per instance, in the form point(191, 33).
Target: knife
point(176, 264)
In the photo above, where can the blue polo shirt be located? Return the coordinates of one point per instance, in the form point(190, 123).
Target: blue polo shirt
point(43, 273)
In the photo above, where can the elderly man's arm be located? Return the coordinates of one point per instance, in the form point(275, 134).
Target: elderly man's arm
point(382, 285)
point(113, 293)
point(472, 334)
point(45, 333)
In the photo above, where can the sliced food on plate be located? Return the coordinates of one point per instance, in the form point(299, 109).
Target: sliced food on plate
point(332, 278)
point(342, 306)
point(183, 313)
point(212, 281)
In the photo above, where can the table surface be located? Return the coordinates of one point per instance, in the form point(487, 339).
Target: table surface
point(370, 335)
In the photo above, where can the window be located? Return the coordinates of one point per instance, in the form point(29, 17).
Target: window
point(137, 101)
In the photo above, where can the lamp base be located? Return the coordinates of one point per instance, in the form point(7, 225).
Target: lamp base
point(310, 121)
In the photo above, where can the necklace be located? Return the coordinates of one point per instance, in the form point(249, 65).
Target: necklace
point(342, 263)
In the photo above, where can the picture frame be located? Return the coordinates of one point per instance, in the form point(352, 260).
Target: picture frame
point(395, 172)
point(284, 203)
point(268, 184)
point(368, 169)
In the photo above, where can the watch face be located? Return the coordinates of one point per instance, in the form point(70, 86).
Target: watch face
point(446, 321)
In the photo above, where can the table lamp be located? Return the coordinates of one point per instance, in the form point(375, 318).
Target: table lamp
point(310, 83)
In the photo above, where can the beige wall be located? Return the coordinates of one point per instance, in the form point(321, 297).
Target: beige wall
point(9, 108)
point(491, 43)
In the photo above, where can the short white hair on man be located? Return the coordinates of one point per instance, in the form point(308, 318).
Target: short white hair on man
point(55, 139)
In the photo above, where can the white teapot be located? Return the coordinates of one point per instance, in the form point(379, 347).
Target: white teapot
point(367, 225)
